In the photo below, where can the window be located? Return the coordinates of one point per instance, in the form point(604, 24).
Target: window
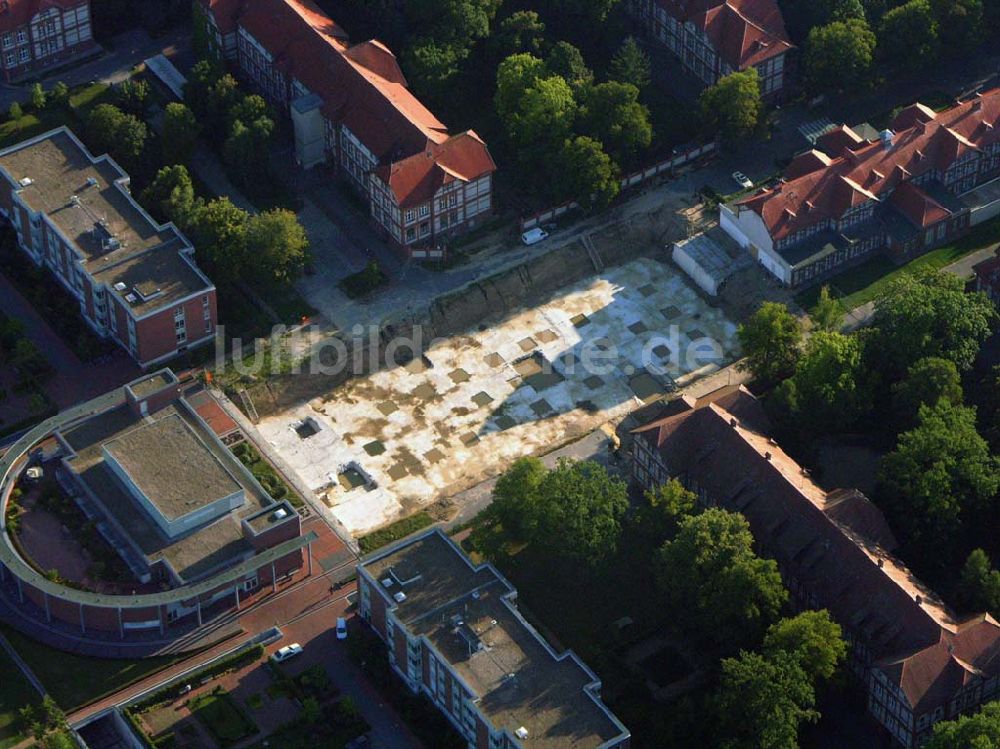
point(425, 211)
point(24, 55)
point(181, 336)
point(410, 234)
point(204, 301)
point(10, 59)
point(21, 37)
point(7, 39)
point(410, 216)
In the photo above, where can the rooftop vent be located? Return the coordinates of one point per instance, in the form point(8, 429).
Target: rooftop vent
point(386, 582)
point(279, 514)
point(918, 598)
point(522, 733)
point(475, 595)
point(120, 286)
point(26, 181)
point(131, 298)
point(399, 596)
point(887, 137)
point(91, 181)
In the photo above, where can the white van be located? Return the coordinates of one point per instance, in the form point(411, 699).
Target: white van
point(534, 236)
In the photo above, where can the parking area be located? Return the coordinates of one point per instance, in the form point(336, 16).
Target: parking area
point(383, 445)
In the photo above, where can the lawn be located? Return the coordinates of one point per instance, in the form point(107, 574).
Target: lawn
point(15, 692)
point(394, 532)
point(77, 680)
point(81, 100)
point(222, 717)
point(863, 283)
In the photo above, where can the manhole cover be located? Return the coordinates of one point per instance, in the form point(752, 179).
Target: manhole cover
point(374, 448)
point(638, 327)
point(493, 360)
point(458, 376)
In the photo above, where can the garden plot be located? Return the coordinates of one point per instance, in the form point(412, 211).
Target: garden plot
point(380, 446)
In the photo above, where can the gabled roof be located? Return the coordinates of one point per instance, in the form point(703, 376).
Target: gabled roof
point(833, 142)
point(807, 163)
point(932, 143)
point(19, 12)
point(917, 206)
point(833, 543)
point(416, 179)
point(743, 32)
point(362, 87)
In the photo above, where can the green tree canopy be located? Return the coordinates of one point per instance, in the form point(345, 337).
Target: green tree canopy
point(711, 571)
point(960, 25)
point(611, 113)
point(132, 95)
point(928, 380)
point(940, 477)
point(929, 314)
point(771, 341)
point(245, 150)
point(434, 66)
point(545, 114)
point(521, 31)
point(219, 233)
point(566, 61)
point(198, 88)
point(171, 197)
point(59, 95)
point(631, 64)
point(276, 246)
point(456, 21)
point(829, 391)
point(586, 174)
point(109, 130)
point(802, 17)
point(828, 314)
point(664, 508)
point(761, 702)
point(812, 638)
point(180, 133)
point(979, 584)
point(732, 107)
point(979, 731)
point(839, 55)
point(908, 37)
point(515, 75)
point(38, 97)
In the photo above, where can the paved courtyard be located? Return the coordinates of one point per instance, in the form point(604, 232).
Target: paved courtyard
point(381, 446)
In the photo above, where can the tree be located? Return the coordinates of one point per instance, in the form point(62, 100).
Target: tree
point(664, 508)
point(38, 97)
point(180, 133)
point(171, 197)
point(566, 61)
point(110, 130)
point(245, 151)
point(578, 512)
point(522, 31)
point(580, 11)
point(829, 391)
point(929, 314)
point(131, 96)
point(828, 314)
point(960, 24)
point(908, 37)
point(514, 76)
point(59, 95)
point(515, 496)
point(311, 711)
point(802, 17)
point(219, 235)
point(223, 96)
point(927, 381)
point(940, 477)
point(839, 55)
point(631, 64)
point(770, 340)
point(545, 114)
point(979, 583)
point(587, 174)
point(813, 640)
point(15, 112)
point(434, 66)
point(611, 113)
point(710, 569)
point(276, 246)
point(198, 88)
point(458, 21)
point(761, 702)
point(247, 109)
point(979, 731)
point(732, 107)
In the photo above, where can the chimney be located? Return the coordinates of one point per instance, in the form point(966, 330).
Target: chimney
point(767, 456)
point(733, 422)
point(919, 599)
point(881, 563)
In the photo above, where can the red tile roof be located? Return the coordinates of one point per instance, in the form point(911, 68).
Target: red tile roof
point(807, 163)
point(225, 13)
point(919, 207)
point(933, 142)
point(835, 141)
point(743, 32)
point(362, 88)
point(416, 179)
point(19, 12)
point(836, 544)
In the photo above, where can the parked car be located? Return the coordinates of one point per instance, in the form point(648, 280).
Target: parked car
point(289, 651)
point(341, 628)
point(742, 180)
point(534, 236)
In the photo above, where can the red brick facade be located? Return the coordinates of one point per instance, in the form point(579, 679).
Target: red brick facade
point(39, 35)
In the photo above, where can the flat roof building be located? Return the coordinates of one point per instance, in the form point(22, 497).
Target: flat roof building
point(136, 280)
point(455, 634)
